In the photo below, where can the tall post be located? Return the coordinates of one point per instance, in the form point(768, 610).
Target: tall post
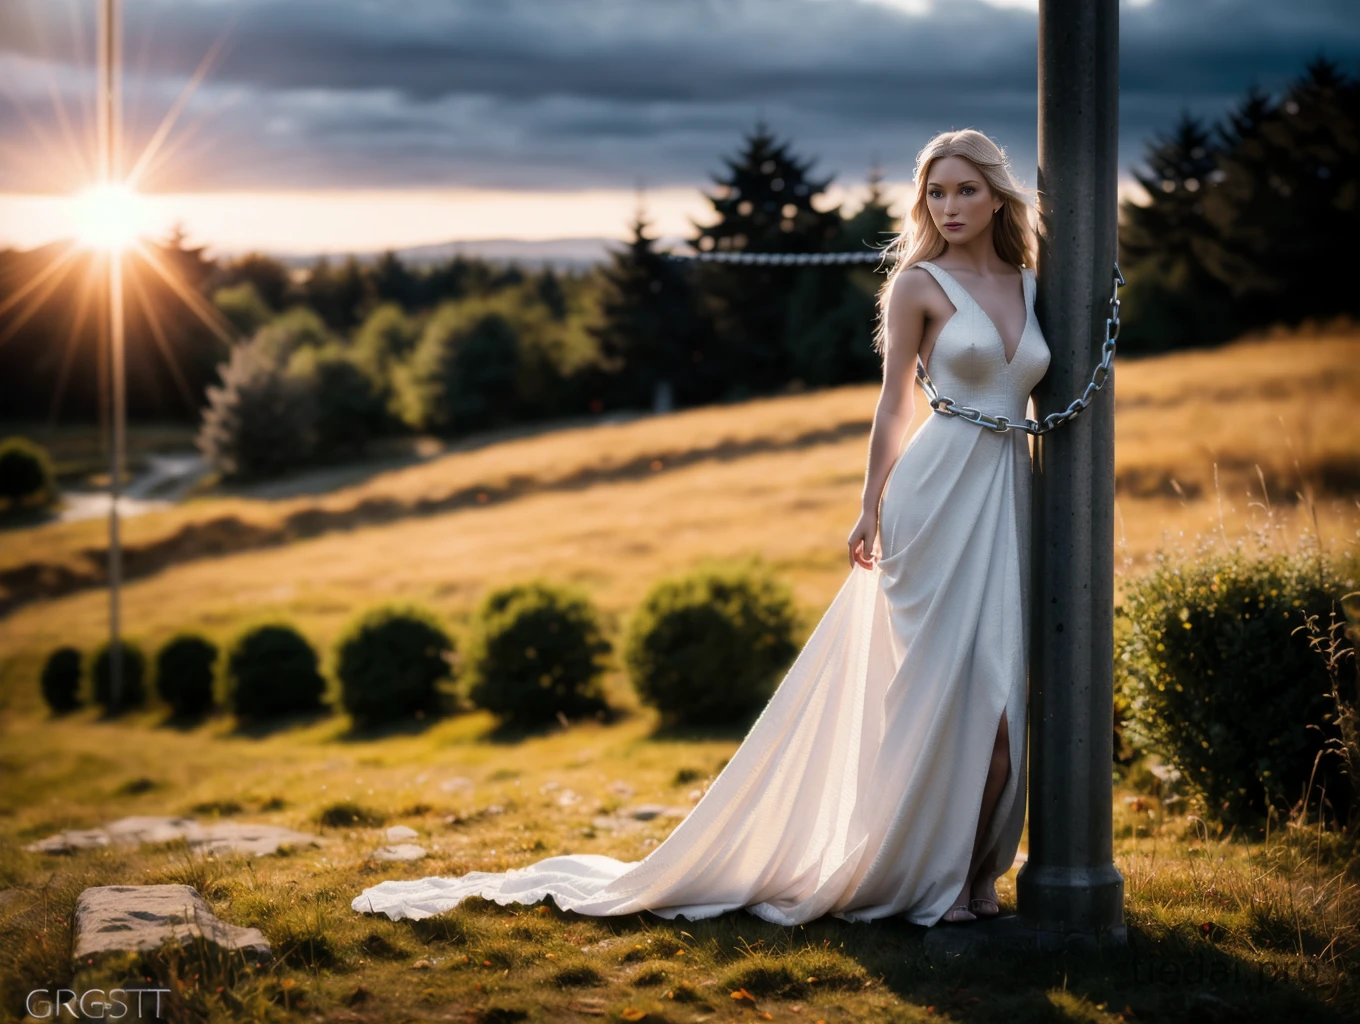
point(1069, 884)
point(110, 172)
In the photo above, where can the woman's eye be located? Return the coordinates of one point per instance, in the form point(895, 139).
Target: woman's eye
point(935, 194)
point(968, 189)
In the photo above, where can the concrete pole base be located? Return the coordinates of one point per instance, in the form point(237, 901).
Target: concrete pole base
point(1012, 933)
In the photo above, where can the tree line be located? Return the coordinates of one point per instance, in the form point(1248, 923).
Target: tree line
point(1240, 228)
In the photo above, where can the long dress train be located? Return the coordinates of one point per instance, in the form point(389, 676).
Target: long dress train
point(856, 792)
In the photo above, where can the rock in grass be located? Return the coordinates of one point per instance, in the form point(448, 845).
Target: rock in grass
point(132, 918)
point(398, 833)
point(219, 836)
point(400, 852)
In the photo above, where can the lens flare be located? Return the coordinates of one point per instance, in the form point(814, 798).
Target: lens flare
point(110, 217)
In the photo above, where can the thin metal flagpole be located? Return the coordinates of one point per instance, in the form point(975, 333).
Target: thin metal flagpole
point(111, 172)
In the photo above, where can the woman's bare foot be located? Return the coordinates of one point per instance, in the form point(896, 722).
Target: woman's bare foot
point(983, 901)
point(958, 914)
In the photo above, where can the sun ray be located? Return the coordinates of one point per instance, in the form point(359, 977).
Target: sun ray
point(38, 279)
point(51, 152)
point(23, 316)
point(158, 332)
point(211, 317)
point(72, 341)
point(188, 131)
point(168, 122)
point(78, 156)
point(87, 108)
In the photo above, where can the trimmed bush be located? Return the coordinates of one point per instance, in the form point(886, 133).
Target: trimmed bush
point(349, 406)
point(134, 677)
point(711, 647)
point(534, 650)
point(61, 680)
point(26, 478)
point(461, 375)
point(1219, 678)
point(184, 674)
point(390, 661)
point(272, 670)
point(262, 420)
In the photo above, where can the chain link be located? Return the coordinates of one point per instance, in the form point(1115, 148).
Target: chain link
point(1000, 424)
point(939, 403)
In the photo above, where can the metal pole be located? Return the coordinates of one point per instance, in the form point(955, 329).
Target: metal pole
point(110, 159)
point(1069, 884)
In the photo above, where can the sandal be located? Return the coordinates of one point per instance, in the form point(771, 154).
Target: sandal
point(980, 906)
point(951, 917)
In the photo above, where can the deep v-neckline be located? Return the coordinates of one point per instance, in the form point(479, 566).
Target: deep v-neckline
point(1024, 297)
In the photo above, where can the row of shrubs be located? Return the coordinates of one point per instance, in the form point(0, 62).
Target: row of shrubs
point(1237, 670)
point(707, 647)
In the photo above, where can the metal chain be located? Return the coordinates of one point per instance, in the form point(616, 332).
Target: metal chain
point(781, 258)
point(1000, 424)
point(939, 403)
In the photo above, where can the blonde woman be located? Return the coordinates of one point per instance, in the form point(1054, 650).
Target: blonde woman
point(886, 775)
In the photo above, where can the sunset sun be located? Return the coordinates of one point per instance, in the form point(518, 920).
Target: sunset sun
point(110, 216)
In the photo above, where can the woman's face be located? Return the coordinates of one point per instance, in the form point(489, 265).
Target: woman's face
point(960, 201)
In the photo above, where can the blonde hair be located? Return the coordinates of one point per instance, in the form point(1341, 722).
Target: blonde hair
point(1012, 233)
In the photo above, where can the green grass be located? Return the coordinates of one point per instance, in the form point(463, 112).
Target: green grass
point(1274, 921)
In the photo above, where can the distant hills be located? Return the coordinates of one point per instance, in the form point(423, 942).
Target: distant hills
point(576, 253)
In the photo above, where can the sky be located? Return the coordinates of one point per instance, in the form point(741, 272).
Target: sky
point(357, 125)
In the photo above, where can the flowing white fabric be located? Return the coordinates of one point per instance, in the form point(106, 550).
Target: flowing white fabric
point(856, 792)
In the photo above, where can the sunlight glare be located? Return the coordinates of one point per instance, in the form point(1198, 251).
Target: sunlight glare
point(110, 216)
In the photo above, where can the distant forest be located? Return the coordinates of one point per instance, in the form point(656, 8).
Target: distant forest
point(1242, 228)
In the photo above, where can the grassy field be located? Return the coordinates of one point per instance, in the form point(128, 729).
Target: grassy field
point(1271, 927)
point(613, 508)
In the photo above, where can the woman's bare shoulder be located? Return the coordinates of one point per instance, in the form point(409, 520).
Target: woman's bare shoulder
point(913, 285)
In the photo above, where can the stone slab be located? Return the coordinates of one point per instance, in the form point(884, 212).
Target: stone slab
point(133, 918)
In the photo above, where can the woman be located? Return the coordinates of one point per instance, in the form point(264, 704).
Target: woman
point(886, 774)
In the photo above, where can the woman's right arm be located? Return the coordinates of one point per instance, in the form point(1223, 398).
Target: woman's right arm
point(904, 329)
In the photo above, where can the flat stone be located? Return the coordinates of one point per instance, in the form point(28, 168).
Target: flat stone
point(131, 918)
point(71, 840)
point(218, 836)
point(400, 852)
point(398, 833)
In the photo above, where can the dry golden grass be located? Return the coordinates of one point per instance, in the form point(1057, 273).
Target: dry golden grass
point(616, 506)
point(613, 508)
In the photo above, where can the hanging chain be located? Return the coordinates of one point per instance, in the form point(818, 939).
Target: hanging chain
point(1000, 424)
point(939, 403)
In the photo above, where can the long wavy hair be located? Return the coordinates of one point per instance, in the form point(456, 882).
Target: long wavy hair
point(1012, 231)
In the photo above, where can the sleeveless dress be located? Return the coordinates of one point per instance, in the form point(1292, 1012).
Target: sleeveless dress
point(856, 792)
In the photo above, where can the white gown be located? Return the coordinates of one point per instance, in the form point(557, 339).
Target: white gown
point(856, 792)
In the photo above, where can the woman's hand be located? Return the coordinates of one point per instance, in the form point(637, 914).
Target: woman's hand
point(862, 539)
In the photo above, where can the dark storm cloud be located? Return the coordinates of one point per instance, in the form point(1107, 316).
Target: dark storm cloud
point(568, 93)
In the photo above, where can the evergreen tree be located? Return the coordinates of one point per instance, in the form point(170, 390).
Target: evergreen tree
point(764, 204)
point(271, 278)
point(548, 290)
point(650, 330)
point(833, 308)
point(393, 282)
point(1165, 246)
point(1289, 202)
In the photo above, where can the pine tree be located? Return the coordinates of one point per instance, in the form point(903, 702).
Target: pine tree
point(393, 282)
point(1166, 245)
point(548, 289)
point(650, 334)
point(832, 308)
point(1290, 208)
point(764, 204)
